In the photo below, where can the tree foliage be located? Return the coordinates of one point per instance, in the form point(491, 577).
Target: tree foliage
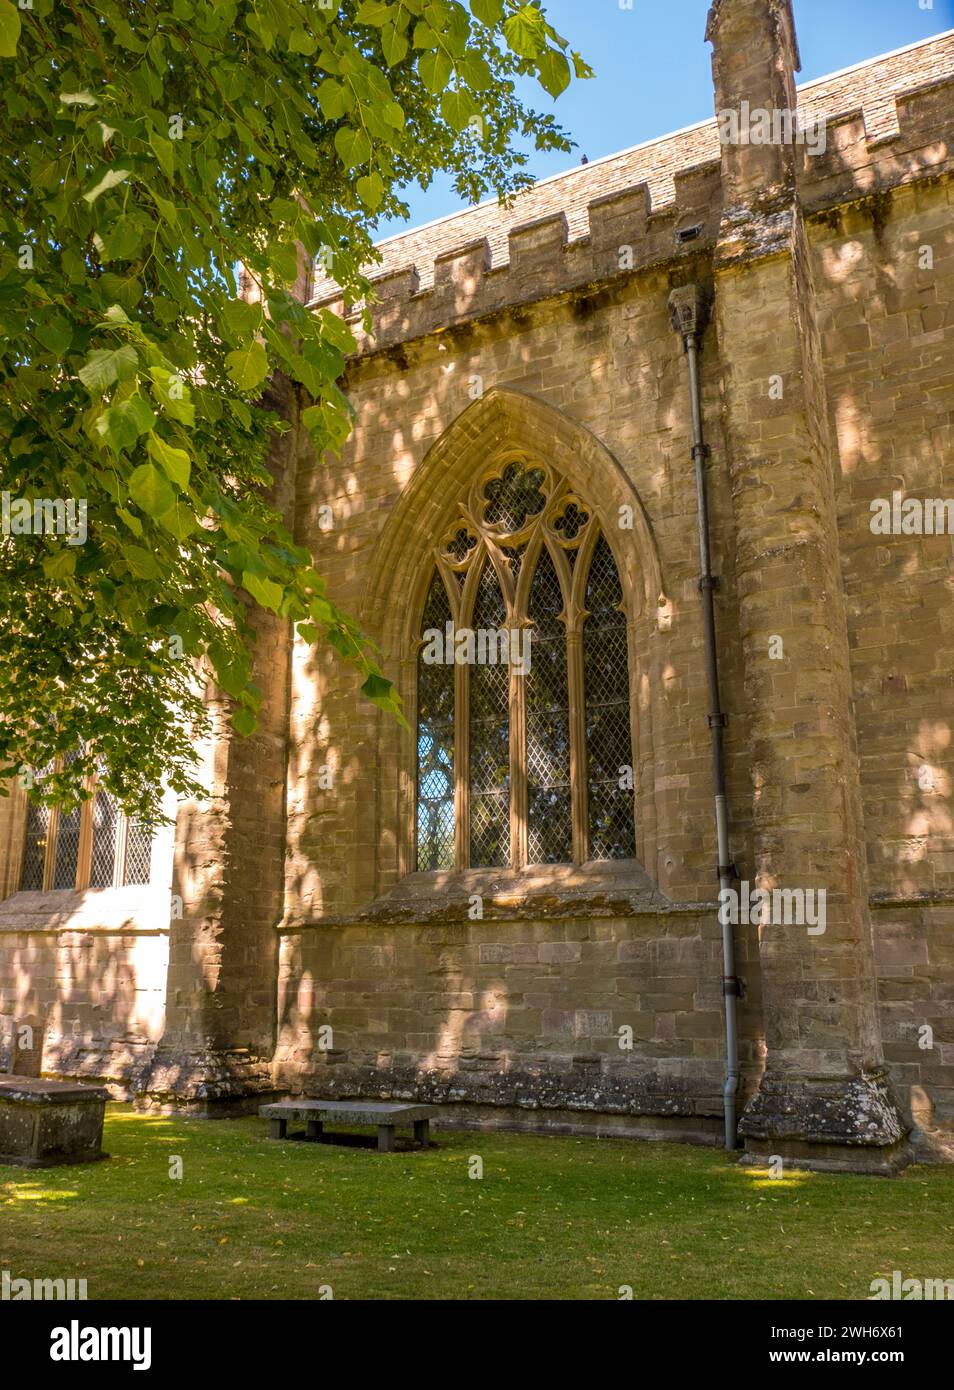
point(149, 149)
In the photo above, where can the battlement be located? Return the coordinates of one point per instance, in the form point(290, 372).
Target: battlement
point(886, 122)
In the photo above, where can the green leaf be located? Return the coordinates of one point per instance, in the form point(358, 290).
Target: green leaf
point(122, 240)
point(175, 462)
point(475, 71)
point(334, 328)
point(150, 491)
point(264, 591)
point(489, 12)
point(374, 12)
point(353, 146)
point(524, 32)
point(457, 109)
point(283, 262)
point(435, 69)
point(334, 99)
point(394, 45)
point(554, 72)
point(133, 522)
point(371, 190)
point(60, 564)
point(142, 562)
point(122, 424)
point(110, 179)
point(394, 115)
point(241, 412)
point(167, 210)
point(173, 395)
point(55, 333)
point(300, 41)
point(106, 365)
point(163, 150)
point(381, 692)
point(244, 720)
point(248, 366)
point(78, 99)
point(9, 29)
point(179, 520)
point(241, 318)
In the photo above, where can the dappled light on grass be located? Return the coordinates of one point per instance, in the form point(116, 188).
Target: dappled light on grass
point(551, 1217)
point(31, 1191)
point(792, 1177)
point(134, 1117)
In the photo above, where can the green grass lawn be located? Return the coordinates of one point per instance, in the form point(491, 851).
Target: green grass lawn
point(551, 1218)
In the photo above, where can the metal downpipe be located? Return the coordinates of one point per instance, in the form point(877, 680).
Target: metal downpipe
point(688, 307)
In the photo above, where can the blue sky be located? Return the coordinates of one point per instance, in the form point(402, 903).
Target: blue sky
point(653, 70)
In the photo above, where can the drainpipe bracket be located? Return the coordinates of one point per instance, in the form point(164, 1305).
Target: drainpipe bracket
point(732, 985)
point(710, 581)
point(718, 721)
point(700, 451)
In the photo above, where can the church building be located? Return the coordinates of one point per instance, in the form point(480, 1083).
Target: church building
point(649, 508)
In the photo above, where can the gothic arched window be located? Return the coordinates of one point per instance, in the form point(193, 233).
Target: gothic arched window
point(524, 749)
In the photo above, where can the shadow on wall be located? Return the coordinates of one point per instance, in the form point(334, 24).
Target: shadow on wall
point(78, 999)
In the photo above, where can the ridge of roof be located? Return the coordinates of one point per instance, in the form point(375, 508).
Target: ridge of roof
point(584, 169)
point(879, 58)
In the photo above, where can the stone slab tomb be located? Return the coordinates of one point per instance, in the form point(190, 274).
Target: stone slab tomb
point(44, 1123)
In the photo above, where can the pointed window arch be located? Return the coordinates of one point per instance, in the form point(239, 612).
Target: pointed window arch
point(524, 744)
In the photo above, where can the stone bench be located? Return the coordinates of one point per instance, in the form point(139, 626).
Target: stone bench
point(43, 1123)
point(382, 1114)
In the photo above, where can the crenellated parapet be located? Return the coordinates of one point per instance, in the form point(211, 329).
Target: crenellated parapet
point(626, 232)
point(868, 130)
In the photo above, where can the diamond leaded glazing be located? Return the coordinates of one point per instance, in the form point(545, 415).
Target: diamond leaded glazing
point(608, 740)
point(531, 738)
point(435, 744)
point(549, 813)
point(489, 738)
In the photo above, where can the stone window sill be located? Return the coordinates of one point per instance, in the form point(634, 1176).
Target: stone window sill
point(135, 907)
point(604, 889)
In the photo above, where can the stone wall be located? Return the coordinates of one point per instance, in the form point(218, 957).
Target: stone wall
point(571, 358)
point(87, 977)
point(560, 1011)
point(546, 329)
point(887, 328)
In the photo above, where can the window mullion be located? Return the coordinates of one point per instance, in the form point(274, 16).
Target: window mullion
point(119, 863)
point(84, 851)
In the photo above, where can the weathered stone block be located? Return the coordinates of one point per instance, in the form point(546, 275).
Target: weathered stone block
point(44, 1123)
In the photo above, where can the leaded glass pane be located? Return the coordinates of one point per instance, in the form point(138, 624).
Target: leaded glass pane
point(460, 544)
point(67, 841)
point(549, 815)
point(435, 744)
point(608, 738)
point(105, 825)
point(571, 523)
point(489, 738)
point(138, 852)
point(67, 849)
point(514, 497)
point(36, 841)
